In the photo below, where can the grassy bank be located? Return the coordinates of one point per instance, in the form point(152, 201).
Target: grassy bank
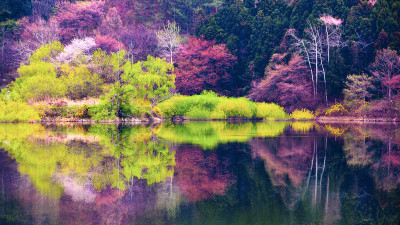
point(206, 106)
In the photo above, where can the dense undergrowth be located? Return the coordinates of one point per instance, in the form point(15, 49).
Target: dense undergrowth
point(209, 105)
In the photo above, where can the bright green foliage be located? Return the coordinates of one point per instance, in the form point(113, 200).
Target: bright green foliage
point(209, 105)
point(270, 111)
point(206, 103)
point(47, 52)
point(148, 81)
point(109, 67)
point(38, 81)
point(208, 135)
point(17, 111)
point(151, 80)
point(303, 114)
point(240, 107)
point(80, 82)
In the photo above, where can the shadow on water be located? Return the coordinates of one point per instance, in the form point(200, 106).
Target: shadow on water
point(200, 173)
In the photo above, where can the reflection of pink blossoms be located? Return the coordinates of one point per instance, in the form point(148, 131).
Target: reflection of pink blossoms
point(330, 20)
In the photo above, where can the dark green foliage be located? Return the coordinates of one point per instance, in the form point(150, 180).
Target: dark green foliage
point(14, 9)
point(254, 31)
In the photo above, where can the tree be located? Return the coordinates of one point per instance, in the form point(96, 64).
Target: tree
point(77, 48)
point(358, 87)
point(285, 83)
point(151, 80)
point(202, 65)
point(147, 81)
point(169, 40)
point(79, 20)
point(140, 42)
point(315, 48)
point(109, 44)
point(385, 67)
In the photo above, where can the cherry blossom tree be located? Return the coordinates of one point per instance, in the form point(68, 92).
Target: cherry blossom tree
point(78, 47)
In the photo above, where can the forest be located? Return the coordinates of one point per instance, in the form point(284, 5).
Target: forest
point(199, 59)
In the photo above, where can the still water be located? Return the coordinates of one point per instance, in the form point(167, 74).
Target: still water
point(200, 173)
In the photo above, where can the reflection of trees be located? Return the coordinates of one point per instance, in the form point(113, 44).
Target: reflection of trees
point(356, 149)
point(200, 175)
point(287, 162)
point(62, 163)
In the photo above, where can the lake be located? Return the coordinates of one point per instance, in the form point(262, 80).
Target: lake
point(200, 173)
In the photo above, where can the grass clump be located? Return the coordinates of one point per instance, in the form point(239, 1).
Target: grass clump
point(14, 111)
point(208, 105)
point(303, 114)
point(270, 111)
point(237, 107)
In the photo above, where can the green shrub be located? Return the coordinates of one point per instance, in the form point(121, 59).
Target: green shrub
point(198, 113)
point(270, 111)
point(236, 108)
point(303, 114)
point(102, 111)
point(11, 111)
point(217, 115)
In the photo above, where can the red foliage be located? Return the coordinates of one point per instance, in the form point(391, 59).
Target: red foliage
point(108, 44)
point(285, 83)
point(200, 176)
point(201, 65)
point(79, 20)
point(394, 82)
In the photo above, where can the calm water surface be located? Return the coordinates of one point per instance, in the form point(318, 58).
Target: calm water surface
point(200, 173)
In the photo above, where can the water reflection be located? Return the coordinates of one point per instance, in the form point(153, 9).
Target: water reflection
point(200, 173)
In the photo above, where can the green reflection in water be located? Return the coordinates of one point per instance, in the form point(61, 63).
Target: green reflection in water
point(209, 134)
point(101, 157)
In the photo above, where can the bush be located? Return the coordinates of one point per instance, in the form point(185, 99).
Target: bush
point(303, 114)
point(11, 111)
point(101, 112)
point(198, 113)
point(82, 112)
point(209, 105)
point(270, 111)
point(236, 108)
point(336, 110)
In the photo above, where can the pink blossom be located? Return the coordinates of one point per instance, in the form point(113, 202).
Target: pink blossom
point(328, 19)
point(76, 48)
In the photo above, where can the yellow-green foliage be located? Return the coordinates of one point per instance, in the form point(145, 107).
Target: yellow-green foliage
point(209, 134)
point(303, 114)
point(47, 52)
point(336, 110)
point(80, 82)
point(270, 111)
point(208, 105)
point(17, 111)
point(302, 126)
point(82, 112)
point(236, 107)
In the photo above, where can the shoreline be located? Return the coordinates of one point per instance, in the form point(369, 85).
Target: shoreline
point(156, 120)
point(355, 120)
